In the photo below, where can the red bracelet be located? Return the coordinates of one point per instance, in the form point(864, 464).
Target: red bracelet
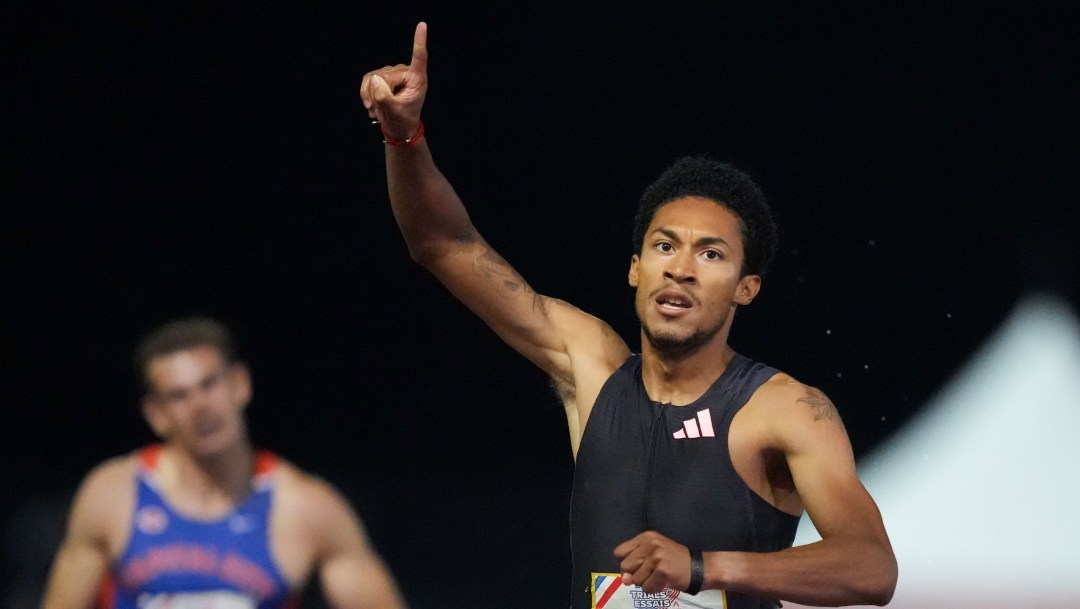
point(409, 141)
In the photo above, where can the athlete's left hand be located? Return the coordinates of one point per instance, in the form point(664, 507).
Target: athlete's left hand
point(654, 562)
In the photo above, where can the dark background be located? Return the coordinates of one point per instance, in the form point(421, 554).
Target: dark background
point(167, 160)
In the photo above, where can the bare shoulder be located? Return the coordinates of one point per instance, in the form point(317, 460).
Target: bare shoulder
point(104, 503)
point(110, 476)
point(589, 339)
point(576, 320)
point(589, 347)
point(790, 409)
point(303, 497)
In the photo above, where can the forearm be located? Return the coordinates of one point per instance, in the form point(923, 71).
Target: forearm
point(833, 572)
point(428, 211)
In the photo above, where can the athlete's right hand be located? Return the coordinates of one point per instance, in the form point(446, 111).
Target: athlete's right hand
point(393, 95)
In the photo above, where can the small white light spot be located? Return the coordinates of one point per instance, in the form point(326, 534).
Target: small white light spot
point(873, 243)
point(839, 374)
point(828, 331)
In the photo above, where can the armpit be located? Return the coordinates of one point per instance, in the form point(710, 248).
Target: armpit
point(564, 389)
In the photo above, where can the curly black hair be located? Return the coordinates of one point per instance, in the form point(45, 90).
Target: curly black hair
point(729, 187)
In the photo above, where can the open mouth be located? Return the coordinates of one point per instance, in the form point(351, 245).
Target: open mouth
point(207, 426)
point(674, 301)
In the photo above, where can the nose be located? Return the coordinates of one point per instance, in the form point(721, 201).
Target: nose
point(201, 398)
point(680, 268)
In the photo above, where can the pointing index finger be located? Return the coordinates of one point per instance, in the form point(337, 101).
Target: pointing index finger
point(419, 51)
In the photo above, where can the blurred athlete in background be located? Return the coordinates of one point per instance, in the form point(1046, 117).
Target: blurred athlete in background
point(203, 520)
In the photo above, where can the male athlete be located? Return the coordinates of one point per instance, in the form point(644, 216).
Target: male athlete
point(203, 520)
point(693, 463)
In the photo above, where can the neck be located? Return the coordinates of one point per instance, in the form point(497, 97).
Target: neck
point(208, 485)
point(684, 377)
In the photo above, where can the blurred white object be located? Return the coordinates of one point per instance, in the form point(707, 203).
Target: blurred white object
point(979, 491)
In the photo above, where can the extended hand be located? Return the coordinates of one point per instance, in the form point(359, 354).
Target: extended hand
point(393, 95)
point(654, 562)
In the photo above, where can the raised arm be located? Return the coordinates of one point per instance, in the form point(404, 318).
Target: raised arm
point(569, 345)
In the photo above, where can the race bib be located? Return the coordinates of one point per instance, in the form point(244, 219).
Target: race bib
point(608, 592)
point(223, 599)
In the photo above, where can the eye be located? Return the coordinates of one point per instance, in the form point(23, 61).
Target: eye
point(712, 255)
point(664, 246)
point(213, 381)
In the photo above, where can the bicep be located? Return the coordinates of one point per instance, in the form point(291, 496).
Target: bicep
point(76, 575)
point(492, 289)
point(543, 329)
point(351, 572)
point(358, 579)
point(83, 558)
point(822, 466)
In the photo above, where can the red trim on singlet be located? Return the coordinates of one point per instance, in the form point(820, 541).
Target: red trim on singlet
point(148, 456)
point(107, 593)
point(265, 461)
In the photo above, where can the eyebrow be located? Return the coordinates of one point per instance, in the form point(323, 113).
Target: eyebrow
point(202, 382)
point(670, 234)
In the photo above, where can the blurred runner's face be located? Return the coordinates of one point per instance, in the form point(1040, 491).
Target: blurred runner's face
point(197, 400)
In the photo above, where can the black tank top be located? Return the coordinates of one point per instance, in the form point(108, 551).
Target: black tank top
point(644, 466)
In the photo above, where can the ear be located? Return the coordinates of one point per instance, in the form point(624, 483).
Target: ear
point(632, 275)
point(240, 380)
point(748, 288)
point(155, 416)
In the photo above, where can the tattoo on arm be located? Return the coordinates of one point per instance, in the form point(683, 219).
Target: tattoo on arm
point(822, 406)
point(491, 266)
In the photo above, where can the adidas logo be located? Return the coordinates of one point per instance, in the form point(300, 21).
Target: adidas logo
point(697, 427)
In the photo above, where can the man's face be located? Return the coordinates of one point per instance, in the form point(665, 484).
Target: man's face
point(196, 401)
point(687, 275)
